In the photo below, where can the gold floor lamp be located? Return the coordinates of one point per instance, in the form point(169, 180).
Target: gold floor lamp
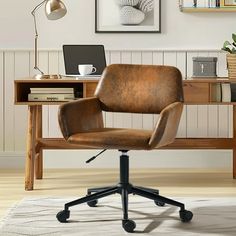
point(54, 10)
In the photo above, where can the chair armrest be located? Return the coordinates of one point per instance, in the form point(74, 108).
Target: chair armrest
point(167, 126)
point(80, 116)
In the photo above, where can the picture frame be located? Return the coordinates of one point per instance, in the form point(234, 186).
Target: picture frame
point(115, 16)
point(228, 3)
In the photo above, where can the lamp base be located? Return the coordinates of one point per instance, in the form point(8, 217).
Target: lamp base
point(41, 77)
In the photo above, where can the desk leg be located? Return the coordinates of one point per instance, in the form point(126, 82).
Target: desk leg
point(39, 155)
point(234, 141)
point(234, 162)
point(30, 155)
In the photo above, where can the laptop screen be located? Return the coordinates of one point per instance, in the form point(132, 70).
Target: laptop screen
point(75, 55)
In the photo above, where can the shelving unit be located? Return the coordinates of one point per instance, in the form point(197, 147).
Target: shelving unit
point(22, 88)
point(203, 91)
point(207, 9)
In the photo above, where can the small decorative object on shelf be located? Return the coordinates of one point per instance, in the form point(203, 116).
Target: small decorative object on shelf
point(204, 67)
point(228, 3)
point(231, 56)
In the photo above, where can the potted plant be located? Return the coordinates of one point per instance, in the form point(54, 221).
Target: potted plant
point(231, 56)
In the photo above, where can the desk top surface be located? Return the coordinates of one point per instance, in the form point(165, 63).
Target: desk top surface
point(96, 79)
point(63, 80)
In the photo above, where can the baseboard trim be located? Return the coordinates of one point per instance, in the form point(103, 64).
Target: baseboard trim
point(13, 160)
point(54, 159)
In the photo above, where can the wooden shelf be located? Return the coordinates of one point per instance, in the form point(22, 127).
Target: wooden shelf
point(86, 88)
point(209, 80)
point(179, 143)
point(207, 9)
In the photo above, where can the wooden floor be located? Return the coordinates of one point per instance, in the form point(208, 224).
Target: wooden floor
point(171, 183)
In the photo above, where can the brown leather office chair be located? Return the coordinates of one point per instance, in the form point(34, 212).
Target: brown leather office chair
point(133, 89)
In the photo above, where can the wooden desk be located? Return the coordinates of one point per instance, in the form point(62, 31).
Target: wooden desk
point(196, 91)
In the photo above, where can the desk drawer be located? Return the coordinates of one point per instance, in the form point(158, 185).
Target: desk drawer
point(196, 92)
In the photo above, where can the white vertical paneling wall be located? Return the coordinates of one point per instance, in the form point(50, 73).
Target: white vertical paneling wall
point(197, 121)
point(9, 111)
point(44, 66)
point(22, 69)
point(2, 136)
point(53, 68)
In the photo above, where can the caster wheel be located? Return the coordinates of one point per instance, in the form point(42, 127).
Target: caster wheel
point(92, 203)
point(62, 216)
point(185, 216)
point(160, 204)
point(129, 225)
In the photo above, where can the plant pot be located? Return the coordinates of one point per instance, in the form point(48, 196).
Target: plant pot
point(231, 65)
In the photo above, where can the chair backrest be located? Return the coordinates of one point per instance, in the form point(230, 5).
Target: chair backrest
point(139, 88)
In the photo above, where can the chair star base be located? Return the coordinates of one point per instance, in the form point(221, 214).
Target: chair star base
point(124, 188)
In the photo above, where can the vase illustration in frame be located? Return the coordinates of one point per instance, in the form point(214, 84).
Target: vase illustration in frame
point(127, 16)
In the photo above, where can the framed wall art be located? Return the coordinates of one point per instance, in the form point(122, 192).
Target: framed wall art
point(127, 16)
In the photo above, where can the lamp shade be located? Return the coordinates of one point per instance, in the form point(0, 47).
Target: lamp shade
point(55, 9)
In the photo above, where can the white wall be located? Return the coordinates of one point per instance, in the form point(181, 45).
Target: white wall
point(179, 30)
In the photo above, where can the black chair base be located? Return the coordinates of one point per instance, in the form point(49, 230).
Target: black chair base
point(124, 188)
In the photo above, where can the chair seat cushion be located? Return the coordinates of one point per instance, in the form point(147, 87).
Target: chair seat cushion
point(113, 138)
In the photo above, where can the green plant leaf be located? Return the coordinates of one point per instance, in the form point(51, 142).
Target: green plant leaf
point(234, 37)
point(233, 50)
point(226, 43)
point(227, 50)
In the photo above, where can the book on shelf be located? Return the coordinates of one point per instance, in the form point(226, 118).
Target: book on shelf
point(52, 90)
point(187, 3)
point(226, 92)
point(202, 3)
point(223, 92)
point(213, 3)
point(216, 92)
point(233, 92)
point(52, 97)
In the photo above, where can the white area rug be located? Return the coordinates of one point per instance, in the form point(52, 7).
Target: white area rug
point(212, 216)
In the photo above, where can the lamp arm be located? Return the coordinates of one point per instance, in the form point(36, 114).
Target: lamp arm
point(36, 37)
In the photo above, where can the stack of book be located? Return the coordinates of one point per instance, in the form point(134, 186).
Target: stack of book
point(51, 94)
point(223, 92)
point(201, 3)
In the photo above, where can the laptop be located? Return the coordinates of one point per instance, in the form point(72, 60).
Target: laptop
point(84, 54)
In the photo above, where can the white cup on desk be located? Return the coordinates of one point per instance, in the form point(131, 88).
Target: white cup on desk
point(86, 69)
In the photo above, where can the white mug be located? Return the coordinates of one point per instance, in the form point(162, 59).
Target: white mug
point(86, 69)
